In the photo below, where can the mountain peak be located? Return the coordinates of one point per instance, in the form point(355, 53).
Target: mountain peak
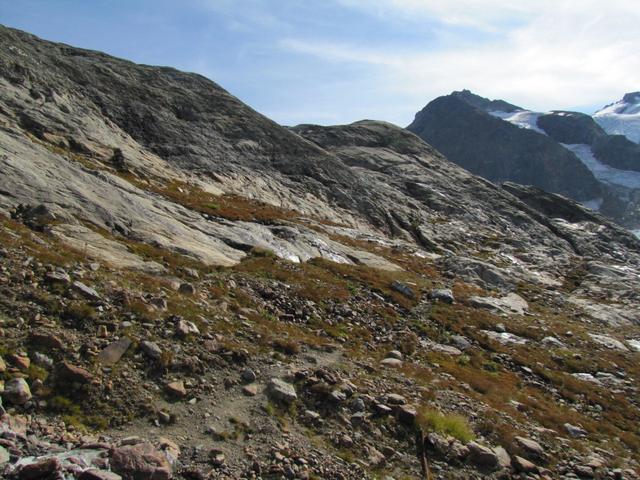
point(483, 103)
point(632, 98)
point(622, 117)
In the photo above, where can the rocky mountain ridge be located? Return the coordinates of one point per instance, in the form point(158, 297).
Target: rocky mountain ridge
point(189, 290)
point(559, 151)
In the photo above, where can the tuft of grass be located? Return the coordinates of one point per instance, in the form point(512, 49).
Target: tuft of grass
point(287, 346)
point(80, 312)
point(454, 425)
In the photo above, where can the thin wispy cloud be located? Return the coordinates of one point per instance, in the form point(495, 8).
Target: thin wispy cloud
point(337, 61)
point(552, 55)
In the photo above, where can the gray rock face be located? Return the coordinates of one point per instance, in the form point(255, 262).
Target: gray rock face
point(513, 144)
point(374, 179)
point(500, 151)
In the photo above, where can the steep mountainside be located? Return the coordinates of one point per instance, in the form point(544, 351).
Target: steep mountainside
point(539, 147)
point(500, 151)
point(189, 290)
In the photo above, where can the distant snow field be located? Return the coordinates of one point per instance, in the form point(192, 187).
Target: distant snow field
point(522, 118)
point(602, 171)
point(621, 118)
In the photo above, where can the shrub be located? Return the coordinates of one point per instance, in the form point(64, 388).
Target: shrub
point(447, 424)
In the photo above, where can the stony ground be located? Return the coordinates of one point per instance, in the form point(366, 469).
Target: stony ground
point(273, 369)
point(190, 290)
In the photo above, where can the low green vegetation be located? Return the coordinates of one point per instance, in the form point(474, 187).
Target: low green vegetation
point(457, 426)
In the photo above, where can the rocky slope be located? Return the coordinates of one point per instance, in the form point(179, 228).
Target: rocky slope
point(562, 152)
point(459, 127)
point(190, 290)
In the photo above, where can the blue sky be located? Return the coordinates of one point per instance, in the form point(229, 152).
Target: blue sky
point(338, 61)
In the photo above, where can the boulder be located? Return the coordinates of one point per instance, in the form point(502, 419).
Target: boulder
point(504, 460)
point(609, 342)
point(73, 374)
point(187, 289)
point(575, 432)
point(403, 288)
point(391, 362)
point(57, 277)
point(4, 456)
point(184, 328)
point(17, 391)
point(444, 295)
point(151, 349)
point(482, 456)
point(114, 352)
point(523, 465)
point(42, 469)
point(461, 342)
point(140, 462)
point(531, 447)
point(509, 304)
point(94, 474)
point(176, 389)
point(46, 340)
point(281, 391)
point(87, 292)
point(21, 362)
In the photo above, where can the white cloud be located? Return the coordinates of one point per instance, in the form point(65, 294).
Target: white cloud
point(548, 54)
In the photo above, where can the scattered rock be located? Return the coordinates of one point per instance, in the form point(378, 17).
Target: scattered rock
point(504, 460)
point(444, 295)
point(17, 391)
point(74, 374)
point(575, 432)
point(187, 289)
point(523, 465)
point(532, 447)
point(609, 342)
point(281, 391)
point(86, 291)
point(482, 456)
point(46, 340)
point(140, 462)
point(250, 390)
point(176, 389)
point(94, 474)
point(509, 304)
point(21, 362)
point(41, 469)
point(57, 277)
point(391, 362)
point(461, 342)
point(403, 288)
point(248, 376)
point(114, 352)
point(184, 328)
point(151, 349)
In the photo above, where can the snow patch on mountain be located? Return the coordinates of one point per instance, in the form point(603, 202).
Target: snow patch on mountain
point(521, 118)
point(622, 117)
point(602, 171)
